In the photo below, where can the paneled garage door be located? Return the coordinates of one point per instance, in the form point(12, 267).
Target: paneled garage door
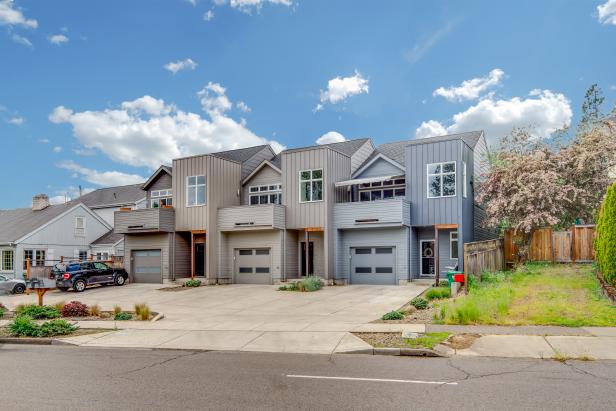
point(253, 266)
point(147, 266)
point(373, 265)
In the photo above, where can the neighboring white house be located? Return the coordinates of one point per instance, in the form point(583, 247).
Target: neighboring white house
point(45, 233)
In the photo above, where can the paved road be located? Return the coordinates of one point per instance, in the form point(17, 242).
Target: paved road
point(67, 378)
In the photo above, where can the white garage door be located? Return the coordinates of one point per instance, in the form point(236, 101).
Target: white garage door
point(253, 266)
point(147, 266)
point(373, 265)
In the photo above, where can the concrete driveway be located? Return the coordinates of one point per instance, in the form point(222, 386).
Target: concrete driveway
point(247, 317)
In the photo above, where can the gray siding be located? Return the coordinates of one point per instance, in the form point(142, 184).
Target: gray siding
point(444, 253)
point(249, 165)
point(319, 252)
point(255, 217)
point(482, 233)
point(181, 259)
point(291, 254)
point(160, 241)
point(266, 175)
point(380, 168)
point(360, 156)
point(387, 212)
point(145, 220)
point(271, 239)
point(162, 182)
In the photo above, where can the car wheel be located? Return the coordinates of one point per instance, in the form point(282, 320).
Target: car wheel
point(79, 285)
point(120, 280)
point(63, 289)
point(19, 289)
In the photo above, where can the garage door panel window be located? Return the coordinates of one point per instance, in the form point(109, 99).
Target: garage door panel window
point(262, 270)
point(363, 251)
point(384, 250)
point(363, 270)
point(262, 252)
point(246, 270)
point(245, 252)
point(147, 270)
point(383, 270)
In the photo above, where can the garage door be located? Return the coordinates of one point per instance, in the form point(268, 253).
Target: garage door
point(147, 266)
point(373, 265)
point(253, 266)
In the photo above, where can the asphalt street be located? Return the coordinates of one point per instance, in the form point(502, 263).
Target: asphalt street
point(72, 378)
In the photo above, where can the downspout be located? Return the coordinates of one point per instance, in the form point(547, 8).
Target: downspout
point(173, 257)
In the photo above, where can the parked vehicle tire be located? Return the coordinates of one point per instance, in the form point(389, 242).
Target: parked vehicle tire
point(119, 280)
point(63, 289)
point(19, 289)
point(79, 285)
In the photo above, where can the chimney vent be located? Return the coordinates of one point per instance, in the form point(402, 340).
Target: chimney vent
point(40, 202)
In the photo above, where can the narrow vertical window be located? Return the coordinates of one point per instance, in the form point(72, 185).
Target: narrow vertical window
point(80, 226)
point(195, 191)
point(310, 185)
point(453, 245)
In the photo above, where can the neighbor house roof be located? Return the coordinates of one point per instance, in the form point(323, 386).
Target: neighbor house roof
point(111, 237)
point(18, 222)
point(113, 196)
point(347, 148)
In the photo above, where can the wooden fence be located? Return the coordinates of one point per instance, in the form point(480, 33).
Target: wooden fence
point(483, 256)
point(575, 245)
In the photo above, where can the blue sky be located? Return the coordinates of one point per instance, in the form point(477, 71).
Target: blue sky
point(88, 95)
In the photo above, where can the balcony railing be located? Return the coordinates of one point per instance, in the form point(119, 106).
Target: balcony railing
point(251, 217)
point(145, 220)
point(380, 213)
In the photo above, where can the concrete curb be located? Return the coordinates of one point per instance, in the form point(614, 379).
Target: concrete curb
point(397, 352)
point(26, 341)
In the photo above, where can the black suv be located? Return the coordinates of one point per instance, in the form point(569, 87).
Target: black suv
point(80, 275)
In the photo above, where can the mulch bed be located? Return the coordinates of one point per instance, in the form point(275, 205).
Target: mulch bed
point(461, 341)
point(391, 340)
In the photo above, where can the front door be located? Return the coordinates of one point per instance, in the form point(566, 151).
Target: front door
point(200, 259)
point(310, 267)
point(427, 257)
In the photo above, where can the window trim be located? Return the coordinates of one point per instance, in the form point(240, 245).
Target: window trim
point(441, 174)
point(81, 234)
point(2, 257)
point(451, 240)
point(382, 188)
point(196, 190)
point(300, 181)
point(258, 193)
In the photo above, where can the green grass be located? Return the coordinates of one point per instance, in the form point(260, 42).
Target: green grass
point(437, 293)
point(429, 340)
point(537, 294)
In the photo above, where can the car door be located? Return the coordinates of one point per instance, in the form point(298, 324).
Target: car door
point(89, 273)
point(104, 273)
point(5, 284)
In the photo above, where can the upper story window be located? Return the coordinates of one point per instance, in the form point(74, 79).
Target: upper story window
point(161, 198)
point(265, 194)
point(310, 185)
point(80, 226)
point(442, 179)
point(382, 190)
point(195, 191)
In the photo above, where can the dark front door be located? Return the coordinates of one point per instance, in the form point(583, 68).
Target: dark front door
point(427, 257)
point(310, 270)
point(200, 260)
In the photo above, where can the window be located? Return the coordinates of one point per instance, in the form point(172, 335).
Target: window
point(310, 186)
point(246, 270)
point(100, 266)
point(383, 270)
point(383, 250)
point(442, 180)
point(195, 191)
point(83, 255)
point(245, 252)
point(7, 260)
point(262, 270)
point(363, 270)
point(268, 194)
point(161, 198)
point(464, 179)
point(80, 226)
point(363, 251)
point(40, 258)
point(262, 252)
point(382, 190)
point(453, 244)
point(28, 254)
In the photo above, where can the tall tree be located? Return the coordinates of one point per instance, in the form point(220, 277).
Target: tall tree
point(591, 107)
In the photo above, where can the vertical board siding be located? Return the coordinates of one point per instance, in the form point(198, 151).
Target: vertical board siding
point(160, 242)
point(339, 169)
point(444, 253)
point(265, 175)
point(181, 267)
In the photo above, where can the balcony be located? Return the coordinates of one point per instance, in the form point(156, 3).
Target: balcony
point(252, 217)
point(145, 220)
point(394, 212)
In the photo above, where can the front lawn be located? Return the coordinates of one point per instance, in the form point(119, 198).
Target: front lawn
point(537, 294)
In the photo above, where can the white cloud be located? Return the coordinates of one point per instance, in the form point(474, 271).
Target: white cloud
point(193, 2)
point(105, 178)
point(543, 110)
point(147, 132)
point(57, 149)
point(425, 44)
point(58, 39)
point(17, 120)
point(21, 40)
point(330, 137)
point(341, 88)
point(175, 66)
point(243, 107)
point(208, 15)
point(248, 6)
point(471, 89)
point(10, 16)
point(607, 12)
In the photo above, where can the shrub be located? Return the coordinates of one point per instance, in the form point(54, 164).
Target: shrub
point(95, 310)
point(288, 287)
point(192, 283)
point(55, 327)
point(2, 310)
point(59, 305)
point(117, 309)
point(312, 283)
point(24, 326)
point(37, 312)
point(606, 236)
point(419, 303)
point(143, 312)
point(438, 293)
point(123, 316)
point(393, 315)
point(75, 309)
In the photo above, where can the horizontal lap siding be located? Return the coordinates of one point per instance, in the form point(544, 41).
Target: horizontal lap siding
point(386, 211)
point(265, 175)
point(360, 156)
point(380, 168)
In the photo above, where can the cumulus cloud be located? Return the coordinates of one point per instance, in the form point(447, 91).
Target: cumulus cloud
point(543, 110)
point(341, 88)
point(21, 40)
point(248, 6)
point(58, 39)
point(471, 89)
point(175, 66)
point(243, 107)
point(57, 149)
point(607, 12)
point(11, 16)
point(149, 132)
point(330, 137)
point(105, 178)
point(208, 15)
point(17, 120)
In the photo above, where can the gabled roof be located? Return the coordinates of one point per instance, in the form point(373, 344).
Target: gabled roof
point(348, 148)
point(113, 196)
point(111, 237)
point(154, 176)
point(264, 163)
point(470, 138)
point(277, 161)
point(241, 154)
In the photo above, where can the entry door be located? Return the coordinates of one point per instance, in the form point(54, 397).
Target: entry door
point(200, 259)
point(427, 257)
point(310, 258)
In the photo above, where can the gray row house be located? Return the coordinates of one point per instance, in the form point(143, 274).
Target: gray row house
point(349, 212)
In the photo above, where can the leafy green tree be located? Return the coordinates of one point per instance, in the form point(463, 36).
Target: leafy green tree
point(591, 107)
point(605, 242)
